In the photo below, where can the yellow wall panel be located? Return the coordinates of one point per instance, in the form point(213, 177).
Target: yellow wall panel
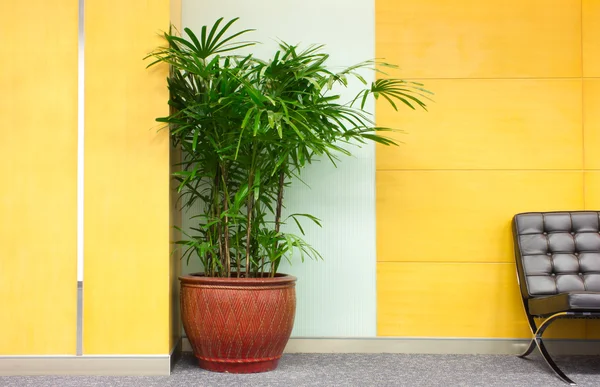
point(481, 39)
point(463, 216)
point(513, 128)
point(592, 190)
point(489, 124)
point(591, 38)
point(449, 300)
point(591, 123)
point(127, 265)
point(38, 171)
point(432, 299)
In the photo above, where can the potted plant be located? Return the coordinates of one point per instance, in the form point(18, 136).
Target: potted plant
point(246, 127)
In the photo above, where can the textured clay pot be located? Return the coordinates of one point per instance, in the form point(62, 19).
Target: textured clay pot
point(238, 325)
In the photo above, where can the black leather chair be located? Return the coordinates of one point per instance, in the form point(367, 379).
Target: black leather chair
point(558, 267)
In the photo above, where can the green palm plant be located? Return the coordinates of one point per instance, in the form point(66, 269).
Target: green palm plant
point(247, 127)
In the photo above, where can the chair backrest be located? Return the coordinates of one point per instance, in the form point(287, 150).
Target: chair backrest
point(557, 252)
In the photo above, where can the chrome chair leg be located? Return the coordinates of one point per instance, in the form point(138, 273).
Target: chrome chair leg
point(529, 349)
point(537, 341)
point(552, 364)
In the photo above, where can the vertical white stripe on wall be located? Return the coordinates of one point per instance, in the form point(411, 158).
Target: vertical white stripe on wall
point(80, 139)
point(337, 296)
point(80, 173)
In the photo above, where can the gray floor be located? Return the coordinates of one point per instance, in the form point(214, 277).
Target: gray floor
point(356, 370)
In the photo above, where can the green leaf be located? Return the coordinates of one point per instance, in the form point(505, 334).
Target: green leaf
point(240, 196)
point(247, 117)
point(257, 183)
point(299, 226)
point(257, 121)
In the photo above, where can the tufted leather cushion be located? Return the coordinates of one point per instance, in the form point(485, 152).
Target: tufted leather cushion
point(574, 301)
point(556, 253)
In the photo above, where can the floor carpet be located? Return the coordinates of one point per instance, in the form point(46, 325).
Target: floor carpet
point(354, 370)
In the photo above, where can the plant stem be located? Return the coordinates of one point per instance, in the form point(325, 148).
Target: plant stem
point(279, 201)
point(278, 216)
point(250, 206)
point(226, 221)
point(238, 258)
point(217, 212)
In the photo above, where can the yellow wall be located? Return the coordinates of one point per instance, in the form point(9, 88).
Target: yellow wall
point(38, 171)
point(127, 267)
point(513, 128)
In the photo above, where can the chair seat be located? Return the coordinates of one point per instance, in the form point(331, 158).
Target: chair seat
point(564, 302)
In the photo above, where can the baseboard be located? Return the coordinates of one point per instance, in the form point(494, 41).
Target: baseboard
point(117, 365)
point(431, 346)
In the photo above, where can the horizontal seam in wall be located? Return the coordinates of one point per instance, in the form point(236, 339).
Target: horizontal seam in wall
point(578, 78)
point(483, 170)
point(453, 262)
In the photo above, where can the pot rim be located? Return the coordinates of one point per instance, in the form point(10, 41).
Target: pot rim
point(199, 278)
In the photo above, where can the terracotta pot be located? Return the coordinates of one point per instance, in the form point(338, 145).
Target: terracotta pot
point(238, 325)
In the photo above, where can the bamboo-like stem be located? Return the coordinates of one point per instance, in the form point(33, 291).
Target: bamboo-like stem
point(217, 212)
point(226, 222)
point(279, 201)
point(238, 258)
point(278, 216)
point(249, 205)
